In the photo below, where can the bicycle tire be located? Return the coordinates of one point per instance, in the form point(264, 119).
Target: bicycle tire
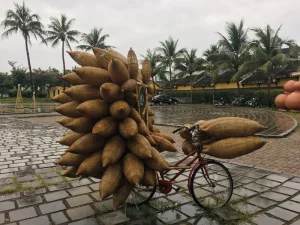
point(192, 188)
point(147, 199)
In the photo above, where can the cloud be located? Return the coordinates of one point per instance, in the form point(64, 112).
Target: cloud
point(142, 24)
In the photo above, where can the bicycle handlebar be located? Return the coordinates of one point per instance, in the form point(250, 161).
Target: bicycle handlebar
point(189, 128)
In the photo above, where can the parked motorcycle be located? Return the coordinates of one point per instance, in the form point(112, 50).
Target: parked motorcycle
point(220, 103)
point(238, 102)
point(253, 103)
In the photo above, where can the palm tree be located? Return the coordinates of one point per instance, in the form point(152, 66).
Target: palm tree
point(60, 30)
point(158, 70)
point(188, 65)
point(266, 54)
point(20, 19)
point(169, 54)
point(212, 64)
point(94, 39)
point(234, 49)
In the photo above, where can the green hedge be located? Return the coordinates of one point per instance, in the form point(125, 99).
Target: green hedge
point(206, 97)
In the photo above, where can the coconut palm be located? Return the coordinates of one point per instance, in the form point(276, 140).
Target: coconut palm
point(234, 49)
point(60, 30)
point(212, 64)
point(94, 39)
point(266, 54)
point(169, 54)
point(21, 20)
point(158, 70)
point(188, 65)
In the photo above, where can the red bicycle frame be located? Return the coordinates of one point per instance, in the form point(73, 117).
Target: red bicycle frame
point(185, 167)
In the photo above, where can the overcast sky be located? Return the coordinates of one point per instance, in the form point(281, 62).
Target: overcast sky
point(141, 24)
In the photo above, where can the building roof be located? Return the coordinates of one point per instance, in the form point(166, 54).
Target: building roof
point(167, 83)
point(154, 83)
point(261, 78)
point(204, 81)
point(187, 80)
point(225, 77)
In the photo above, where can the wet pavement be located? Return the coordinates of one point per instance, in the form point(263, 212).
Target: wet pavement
point(36, 194)
point(277, 123)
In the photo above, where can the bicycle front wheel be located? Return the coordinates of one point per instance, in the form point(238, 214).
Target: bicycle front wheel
point(140, 195)
point(211, 185)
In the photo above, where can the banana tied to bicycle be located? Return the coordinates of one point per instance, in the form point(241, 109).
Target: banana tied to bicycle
point(108, 138)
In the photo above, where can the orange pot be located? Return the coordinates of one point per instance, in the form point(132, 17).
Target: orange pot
point(292, 102)
point(280, 101)
point(296, 86)
point(289, 86)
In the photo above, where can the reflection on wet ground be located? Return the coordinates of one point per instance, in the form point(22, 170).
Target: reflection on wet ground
point(277, 124)
point(40, 108)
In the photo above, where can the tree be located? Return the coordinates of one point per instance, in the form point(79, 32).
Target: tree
point(60, 30)
point(266, 55)
point(94, 39)
point(212, 64)
point(19, 76)
point(158, 70)
point(234, 49)
point(169, 54)
point(188, 65)
point(21, 20)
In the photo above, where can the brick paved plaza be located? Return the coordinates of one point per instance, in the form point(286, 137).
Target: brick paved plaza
point(33, 192)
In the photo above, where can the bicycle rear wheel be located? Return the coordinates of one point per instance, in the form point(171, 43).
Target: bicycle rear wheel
point(140, 195)
point(213, 189)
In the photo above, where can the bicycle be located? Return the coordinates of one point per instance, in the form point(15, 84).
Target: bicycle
point(209, 183)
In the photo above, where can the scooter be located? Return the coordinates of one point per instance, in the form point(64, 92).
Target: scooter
point(220, 103)
point(253, 103)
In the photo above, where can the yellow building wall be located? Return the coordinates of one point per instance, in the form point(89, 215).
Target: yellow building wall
point(56, 91)
point(154, 84)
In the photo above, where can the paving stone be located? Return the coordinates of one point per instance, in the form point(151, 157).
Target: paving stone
point(80, 212)
point(6, 175)
point(34, 192)
point(7, 205)
point(56, 196)
point(296, 179)
point(263, 219)
point(89, 221)
point(17, 165)
point(282, 213)
point(142, 211)
point(22, 214)
point(34, 184)
point(104, 206)
point(243, 180)
point(190, 210)
point(267, 182)
point(112, 218)
point(45, 170)
point(291, 184)
point(59, 218)
point(277, 178)
point(52, 207)
point(58, 187)
point(145, 221)
point(46, 165)
point(296, 198)
point(82, 182)
point(261, 202)
point(38, 221)
point(290, 205)
point(256, 187)
point(9, 170)
point(95, 187)
point(205, 220)
point(53, 180)
point(26, 178)
point(275, 196)
point(9, 196)
point(27, 201)
point(79, 200)
point(171, 216)
point(161, 204)
point(2, 218)
point(179, 198)
point(243, 192)
point(201, 193)
point(254, 174)
point(227, 213)
point(48, 175)
point(246, 208)
point(79, 190)
point(96, 195)
point(296, 222)
point(285, 190)
point(8, 180)
point(95, 179)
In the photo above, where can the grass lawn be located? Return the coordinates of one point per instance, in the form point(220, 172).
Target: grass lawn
point(26, 100)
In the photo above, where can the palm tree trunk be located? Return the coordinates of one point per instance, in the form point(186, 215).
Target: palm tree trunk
point(29, 65)
point(214, 89)
point(63, 58)
point(170, 81)
point(191, 89)
point(238, 86)
point(153, 84)
point(269, 86)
